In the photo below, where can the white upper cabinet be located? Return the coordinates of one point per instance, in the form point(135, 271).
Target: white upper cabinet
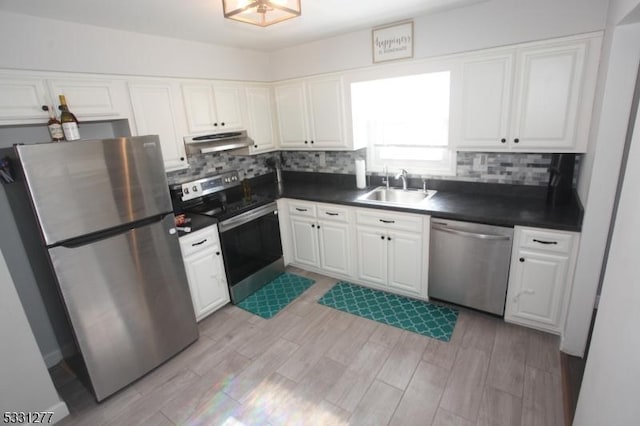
point(486, 97)
point(155, 112)
point(92, 99)
point(22, 97)
point(213, 107)
point(311, 114)
point(21, 100)
point(548, 84)
point(535, 98)
point(260, 119)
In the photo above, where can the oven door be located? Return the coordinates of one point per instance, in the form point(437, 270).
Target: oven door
point(252, 250)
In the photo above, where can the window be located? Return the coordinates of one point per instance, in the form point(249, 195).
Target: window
point(404, 122)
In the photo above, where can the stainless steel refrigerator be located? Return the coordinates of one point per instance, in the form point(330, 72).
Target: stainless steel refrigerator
point(104, 214)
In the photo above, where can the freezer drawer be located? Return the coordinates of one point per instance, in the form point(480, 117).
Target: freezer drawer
point(128, 300)
point(469, 264)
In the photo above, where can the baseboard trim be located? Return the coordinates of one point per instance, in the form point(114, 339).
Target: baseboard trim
point(59, 410)
point(566, 389)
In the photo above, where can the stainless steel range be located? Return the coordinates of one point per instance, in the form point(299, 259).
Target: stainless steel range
point(248, 225)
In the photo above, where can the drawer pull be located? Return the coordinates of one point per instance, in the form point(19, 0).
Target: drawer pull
point(199, 243)
point(332, 214)
point(544, 242)
point(301, 210)
point(387, 221)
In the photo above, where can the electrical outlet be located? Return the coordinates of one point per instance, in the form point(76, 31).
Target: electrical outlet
point(480, 163)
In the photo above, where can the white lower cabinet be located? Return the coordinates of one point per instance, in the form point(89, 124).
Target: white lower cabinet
point(317, 236)
point(305, 241)
point(205, 271)
point(372, 255)
point(334, 247)
point(542, 265)
point(405, 261)
point(391, 258)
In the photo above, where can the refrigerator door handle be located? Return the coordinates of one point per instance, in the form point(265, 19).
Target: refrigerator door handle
point(108, 233)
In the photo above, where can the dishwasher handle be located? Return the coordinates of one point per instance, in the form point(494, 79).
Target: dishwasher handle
point(470, 234)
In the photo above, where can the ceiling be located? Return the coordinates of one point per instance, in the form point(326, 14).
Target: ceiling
point(202, 20)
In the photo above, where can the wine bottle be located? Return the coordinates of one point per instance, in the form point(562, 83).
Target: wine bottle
point(69, 121)
point(54, 125)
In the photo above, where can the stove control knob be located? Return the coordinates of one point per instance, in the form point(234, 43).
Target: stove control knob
point(185, 190)
point(194, 189)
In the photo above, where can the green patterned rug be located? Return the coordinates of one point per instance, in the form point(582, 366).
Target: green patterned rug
point(271, 298)
point(398, 311)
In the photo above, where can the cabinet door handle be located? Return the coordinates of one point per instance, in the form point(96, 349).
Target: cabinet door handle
point(382, 237)
point(544, 242)
point(217, 253)
point(318, 226)
point(313, 225)
point(199, 243)
point(387, 221)
point(301, 210)
point(215, 124)
point(528, 291)
point(503, 140)
point(516, 140)
point(332, 214)
point(389, 238)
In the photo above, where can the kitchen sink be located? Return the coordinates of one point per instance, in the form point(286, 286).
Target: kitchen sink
point(384, 195)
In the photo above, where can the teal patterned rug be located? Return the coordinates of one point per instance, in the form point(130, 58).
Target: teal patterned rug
point(271, 298)
point(398, 311)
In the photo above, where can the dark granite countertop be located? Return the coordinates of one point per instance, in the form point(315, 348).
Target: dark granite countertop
point(495, 204)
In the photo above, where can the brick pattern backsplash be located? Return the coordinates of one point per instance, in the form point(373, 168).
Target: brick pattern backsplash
point(509, 168)
point(201, 165)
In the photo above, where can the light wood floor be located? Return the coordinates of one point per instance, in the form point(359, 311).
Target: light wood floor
point(314, 365)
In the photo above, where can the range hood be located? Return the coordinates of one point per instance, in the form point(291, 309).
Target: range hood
point(238, 142)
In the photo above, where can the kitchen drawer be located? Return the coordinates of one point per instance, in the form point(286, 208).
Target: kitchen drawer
point(379, 218)
point(551, 241)
point(333, 213)
point(302, 208)
point(206, 238)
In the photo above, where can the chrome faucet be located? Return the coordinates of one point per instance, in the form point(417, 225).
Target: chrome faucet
point(403, 175)
point(386, 177)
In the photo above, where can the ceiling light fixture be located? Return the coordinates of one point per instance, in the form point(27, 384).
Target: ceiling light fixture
point(261, 12)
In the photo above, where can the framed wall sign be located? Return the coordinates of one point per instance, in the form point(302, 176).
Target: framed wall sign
point(392, 42)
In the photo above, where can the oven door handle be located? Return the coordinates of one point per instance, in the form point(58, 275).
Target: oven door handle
point(241, 219)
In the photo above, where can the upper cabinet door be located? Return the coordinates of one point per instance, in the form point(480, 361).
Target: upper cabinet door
point(22, 99)
point(154, 113)
point(260, 115)
point(549, 82)
point(92, 99)
point(212, 108)
point(200, 108)
point(485, 103)
point(326, 113)
point(228, 101)
point(292, 115)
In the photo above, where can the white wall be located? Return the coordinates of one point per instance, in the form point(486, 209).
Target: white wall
point(44, 44)
point(488, 24)
point(610, 388)
point(599, 178)
point(25, 384)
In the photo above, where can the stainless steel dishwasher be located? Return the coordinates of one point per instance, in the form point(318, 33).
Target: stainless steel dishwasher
point(469, 264)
